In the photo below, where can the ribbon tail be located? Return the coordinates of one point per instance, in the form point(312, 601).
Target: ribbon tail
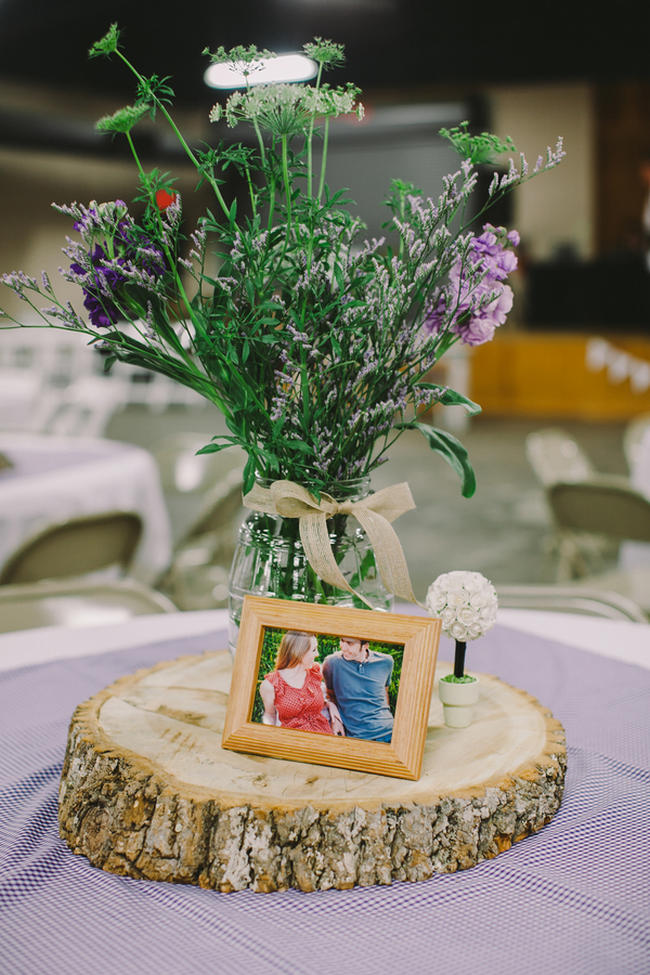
point(389, 554)
point(318, 549)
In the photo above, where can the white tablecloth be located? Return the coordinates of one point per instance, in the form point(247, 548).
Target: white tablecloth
point(55, 478)
point(629, 642)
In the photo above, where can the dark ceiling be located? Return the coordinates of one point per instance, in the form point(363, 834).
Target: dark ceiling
point(390, 43)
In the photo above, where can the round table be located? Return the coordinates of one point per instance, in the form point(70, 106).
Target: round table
point(55, 478)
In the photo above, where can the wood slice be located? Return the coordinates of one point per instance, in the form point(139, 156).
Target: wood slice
point(147, 791)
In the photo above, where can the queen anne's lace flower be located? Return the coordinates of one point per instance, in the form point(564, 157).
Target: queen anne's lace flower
point(287, 109)
point(466, 602)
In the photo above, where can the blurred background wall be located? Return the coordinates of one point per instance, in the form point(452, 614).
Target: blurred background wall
point(583, 270)
point(561, 211)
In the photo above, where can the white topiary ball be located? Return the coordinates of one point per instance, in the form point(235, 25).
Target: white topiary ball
point(466, 602)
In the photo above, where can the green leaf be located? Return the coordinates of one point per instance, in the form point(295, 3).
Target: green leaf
point(249, 475)
point(445, 444)
point(214, 448)
point(300, 447)
point(450, 397)
point(478, 149)
point(155, 89)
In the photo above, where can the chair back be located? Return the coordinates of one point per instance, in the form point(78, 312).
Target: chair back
point(555, 456)
point(634, 436)
point(221, 509)
point(76, 547)
point(77, 603)
point(84, 408)
point(573, 598)
point(185, 472)
point(605, 509)
point(198, 575)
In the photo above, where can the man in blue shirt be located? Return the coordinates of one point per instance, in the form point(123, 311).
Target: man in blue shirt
point(357, 680)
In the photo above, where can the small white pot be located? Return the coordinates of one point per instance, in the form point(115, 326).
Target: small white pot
point(458, 701)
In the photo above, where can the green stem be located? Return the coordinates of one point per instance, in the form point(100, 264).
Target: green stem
point(459, 658)
point(161, 107)
point(260, 141)
point(310, 136)
point(287, 184)
point(170, 260)
point(251, 192)
point(304, 388)
point(321, 182)
point(271, 202)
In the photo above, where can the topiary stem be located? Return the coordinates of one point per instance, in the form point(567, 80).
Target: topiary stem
point(459, 658)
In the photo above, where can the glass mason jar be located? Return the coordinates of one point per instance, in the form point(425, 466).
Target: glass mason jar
point(269, 560)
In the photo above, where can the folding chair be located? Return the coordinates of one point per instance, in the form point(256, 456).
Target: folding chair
point(76, 547)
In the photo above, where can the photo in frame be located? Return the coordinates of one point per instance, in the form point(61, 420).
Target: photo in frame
point(332, 686)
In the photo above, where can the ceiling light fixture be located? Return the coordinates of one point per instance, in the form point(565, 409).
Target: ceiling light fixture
point(284, 67)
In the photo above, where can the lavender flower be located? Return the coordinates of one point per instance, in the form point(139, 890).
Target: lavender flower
point(474, 302)
point(102, 277)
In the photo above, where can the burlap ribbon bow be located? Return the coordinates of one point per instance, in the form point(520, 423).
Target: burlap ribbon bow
point(374, 514)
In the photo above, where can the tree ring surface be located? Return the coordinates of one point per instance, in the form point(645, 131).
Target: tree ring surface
point(147, 791)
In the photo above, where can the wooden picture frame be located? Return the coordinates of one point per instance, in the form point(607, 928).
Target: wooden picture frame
point(402, 755)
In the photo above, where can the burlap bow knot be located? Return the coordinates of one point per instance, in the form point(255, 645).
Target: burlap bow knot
point(374, 514)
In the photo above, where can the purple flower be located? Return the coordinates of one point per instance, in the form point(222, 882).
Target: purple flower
point(102, 313)
point(102, 279)
point(475, 301)
point(498, 260)
point(479, 327)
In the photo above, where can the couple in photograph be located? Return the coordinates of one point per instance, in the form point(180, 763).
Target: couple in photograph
point(349, 696)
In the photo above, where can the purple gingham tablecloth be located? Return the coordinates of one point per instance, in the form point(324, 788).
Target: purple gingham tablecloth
point(574, 898)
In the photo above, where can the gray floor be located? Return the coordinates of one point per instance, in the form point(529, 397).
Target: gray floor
point(503, 531)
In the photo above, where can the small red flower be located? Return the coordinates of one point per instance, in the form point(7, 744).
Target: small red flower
point(164, 199)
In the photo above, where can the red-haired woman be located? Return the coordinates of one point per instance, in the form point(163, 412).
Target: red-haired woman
point(294, 694)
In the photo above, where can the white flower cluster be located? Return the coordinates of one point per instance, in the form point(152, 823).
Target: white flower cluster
point(287, 109)
point(465, 601)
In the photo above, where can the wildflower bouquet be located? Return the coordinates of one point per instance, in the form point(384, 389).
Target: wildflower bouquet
point(313, 342)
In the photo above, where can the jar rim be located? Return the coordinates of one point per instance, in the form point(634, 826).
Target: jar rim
point(338, 489)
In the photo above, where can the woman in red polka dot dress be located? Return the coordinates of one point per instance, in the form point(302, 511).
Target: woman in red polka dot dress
point(294, 694)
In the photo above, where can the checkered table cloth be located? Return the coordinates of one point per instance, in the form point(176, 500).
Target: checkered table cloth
point(572, 899)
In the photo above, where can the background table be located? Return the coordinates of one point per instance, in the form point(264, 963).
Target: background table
point(54, 478)
point(570, 899)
